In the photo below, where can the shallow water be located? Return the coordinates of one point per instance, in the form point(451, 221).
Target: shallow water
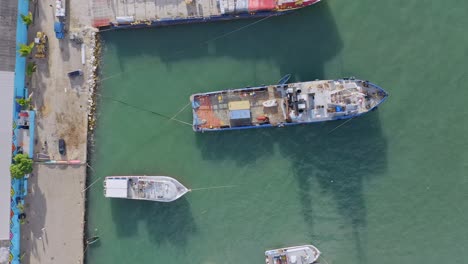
point(388, 187)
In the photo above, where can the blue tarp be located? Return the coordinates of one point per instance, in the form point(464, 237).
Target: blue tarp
point(239, 114)
point(58, 28)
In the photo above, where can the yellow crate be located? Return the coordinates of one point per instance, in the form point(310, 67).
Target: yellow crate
point(239, 105)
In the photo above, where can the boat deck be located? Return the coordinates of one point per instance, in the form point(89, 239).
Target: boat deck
point(215, 109)
point(148, 189)
point(106, 11)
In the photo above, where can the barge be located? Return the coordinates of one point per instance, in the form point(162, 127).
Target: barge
point(117, 14)
point(284, 104)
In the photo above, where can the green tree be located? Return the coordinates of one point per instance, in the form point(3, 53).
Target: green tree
point(28, 19)
point(25, 50)
point(24, 102)
point(21, 166)
point(30, 69)
point(20, 207)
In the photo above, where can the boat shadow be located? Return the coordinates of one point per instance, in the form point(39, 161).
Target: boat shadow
point(334, 159)
point(299, 43)
point(171, 223)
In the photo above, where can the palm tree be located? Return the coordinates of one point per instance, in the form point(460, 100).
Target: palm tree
point(25, 50)
point(28, 19)
point(30, 69)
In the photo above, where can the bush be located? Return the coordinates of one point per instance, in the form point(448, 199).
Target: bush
point(30, 69)
point(24, 102)
point(25, 50)
point(28, 19)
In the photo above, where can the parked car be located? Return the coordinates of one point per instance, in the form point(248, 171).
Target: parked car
point(75, 73)
point(62, 147)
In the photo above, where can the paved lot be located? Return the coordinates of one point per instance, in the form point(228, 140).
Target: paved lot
point(53, 232)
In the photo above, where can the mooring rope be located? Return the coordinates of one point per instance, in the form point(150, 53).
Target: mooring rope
point(149, 111)
point(340, 125)
point(236, 30)
point(215, 187)
point(322, 257)
point(89, 186)
point(180, 111)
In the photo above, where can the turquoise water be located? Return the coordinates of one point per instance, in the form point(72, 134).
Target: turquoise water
point(389, 187)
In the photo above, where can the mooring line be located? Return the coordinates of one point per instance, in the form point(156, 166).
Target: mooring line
point(183, 108)
point(322, 257)
point(239, 29)
point(340, 125)
point(89, 186)
point(215, 187)
point(146, 110)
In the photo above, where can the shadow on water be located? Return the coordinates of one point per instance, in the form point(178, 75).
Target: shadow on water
point(299, 42)
point(340, 162)
point(164, 222)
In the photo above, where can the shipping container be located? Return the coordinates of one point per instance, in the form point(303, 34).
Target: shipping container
point(240, 118)
point(242, 6)
point(233, 6)
point(261, 5)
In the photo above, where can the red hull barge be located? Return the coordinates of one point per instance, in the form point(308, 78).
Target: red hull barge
point(175, 12)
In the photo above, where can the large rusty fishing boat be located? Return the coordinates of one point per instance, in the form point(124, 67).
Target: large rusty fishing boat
point(284, 104)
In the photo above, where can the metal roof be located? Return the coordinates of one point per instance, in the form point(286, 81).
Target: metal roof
point(6, 135)
point(116, 188)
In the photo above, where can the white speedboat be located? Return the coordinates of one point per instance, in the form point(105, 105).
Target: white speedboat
point(152, 188)
point(306, 254)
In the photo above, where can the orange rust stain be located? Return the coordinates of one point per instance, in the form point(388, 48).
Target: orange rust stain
point(206, 114)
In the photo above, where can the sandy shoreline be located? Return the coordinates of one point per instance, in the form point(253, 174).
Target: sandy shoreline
point(55, 206)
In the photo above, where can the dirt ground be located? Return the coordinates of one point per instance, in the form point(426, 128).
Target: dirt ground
point(60, 101)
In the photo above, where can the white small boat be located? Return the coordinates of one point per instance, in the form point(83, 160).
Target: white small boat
point(270, 103)
point(306, 254)
point(152, 188)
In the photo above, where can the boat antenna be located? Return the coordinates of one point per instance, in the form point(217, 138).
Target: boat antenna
point(214, 187)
